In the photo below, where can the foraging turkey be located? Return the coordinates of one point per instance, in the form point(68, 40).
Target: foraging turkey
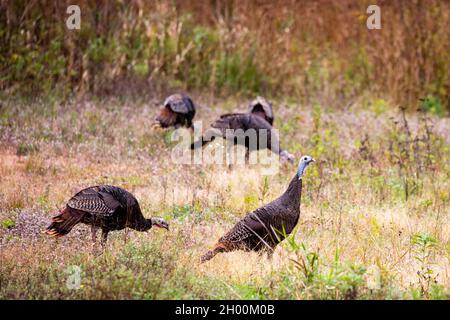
point(228, 125)
point(266, 227)
point(263, 108)
point(102, 207)
point(178, 110)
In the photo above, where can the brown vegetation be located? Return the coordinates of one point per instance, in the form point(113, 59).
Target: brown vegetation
point(310, 50)
point(370, 227)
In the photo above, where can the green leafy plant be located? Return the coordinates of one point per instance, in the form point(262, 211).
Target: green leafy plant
point(432, 105)
point(423, 248)
point(8, 223)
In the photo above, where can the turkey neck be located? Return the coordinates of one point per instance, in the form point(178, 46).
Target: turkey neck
point(142, 225)
point(293, 193)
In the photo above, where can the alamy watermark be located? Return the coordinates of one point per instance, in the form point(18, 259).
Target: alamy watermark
point(226, 150)
point(229, 147)
point(73, 281)
point(73, 22)
point(374, 20)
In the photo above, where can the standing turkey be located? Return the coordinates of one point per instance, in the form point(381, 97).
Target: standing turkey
point(266, 227)
point(263, 108)
point(178, 111)
point(102, 207)
point(228, 125)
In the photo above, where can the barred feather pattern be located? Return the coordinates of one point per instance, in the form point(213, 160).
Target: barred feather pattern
point(104, 206)
point(104, 200)
point(92, 205)
point(264, 228)
point(267, 226)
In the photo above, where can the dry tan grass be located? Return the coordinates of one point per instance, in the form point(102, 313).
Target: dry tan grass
point(346, 212)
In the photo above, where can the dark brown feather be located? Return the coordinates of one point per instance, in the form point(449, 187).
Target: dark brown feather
point(104, 206)
point(178, 110)
point(242, 122)
point(266, 227)
point(166, 118)
point(63, 223)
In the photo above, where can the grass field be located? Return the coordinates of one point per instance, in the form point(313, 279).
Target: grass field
point(375, 212)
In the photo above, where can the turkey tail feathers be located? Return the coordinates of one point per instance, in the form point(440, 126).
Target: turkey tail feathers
point(166, 118)
point(64, 222)
point(212, 253)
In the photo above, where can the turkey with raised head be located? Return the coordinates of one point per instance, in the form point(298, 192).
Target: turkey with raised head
point(178, 111)
point(102, 207)
point(247, 129)
point(266, 227)
point(262, 108)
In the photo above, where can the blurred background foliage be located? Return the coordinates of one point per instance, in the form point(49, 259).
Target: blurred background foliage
point(313, 51)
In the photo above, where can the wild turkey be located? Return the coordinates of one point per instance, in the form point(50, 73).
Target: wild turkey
point(266, 227)
point(228, 125)
point(263, 108)
point(178, 110)
point(102, 207)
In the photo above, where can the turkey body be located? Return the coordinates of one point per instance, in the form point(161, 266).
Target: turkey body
point(264, 228)
point(238, 127)
point(102, 207)
point(178, 111)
